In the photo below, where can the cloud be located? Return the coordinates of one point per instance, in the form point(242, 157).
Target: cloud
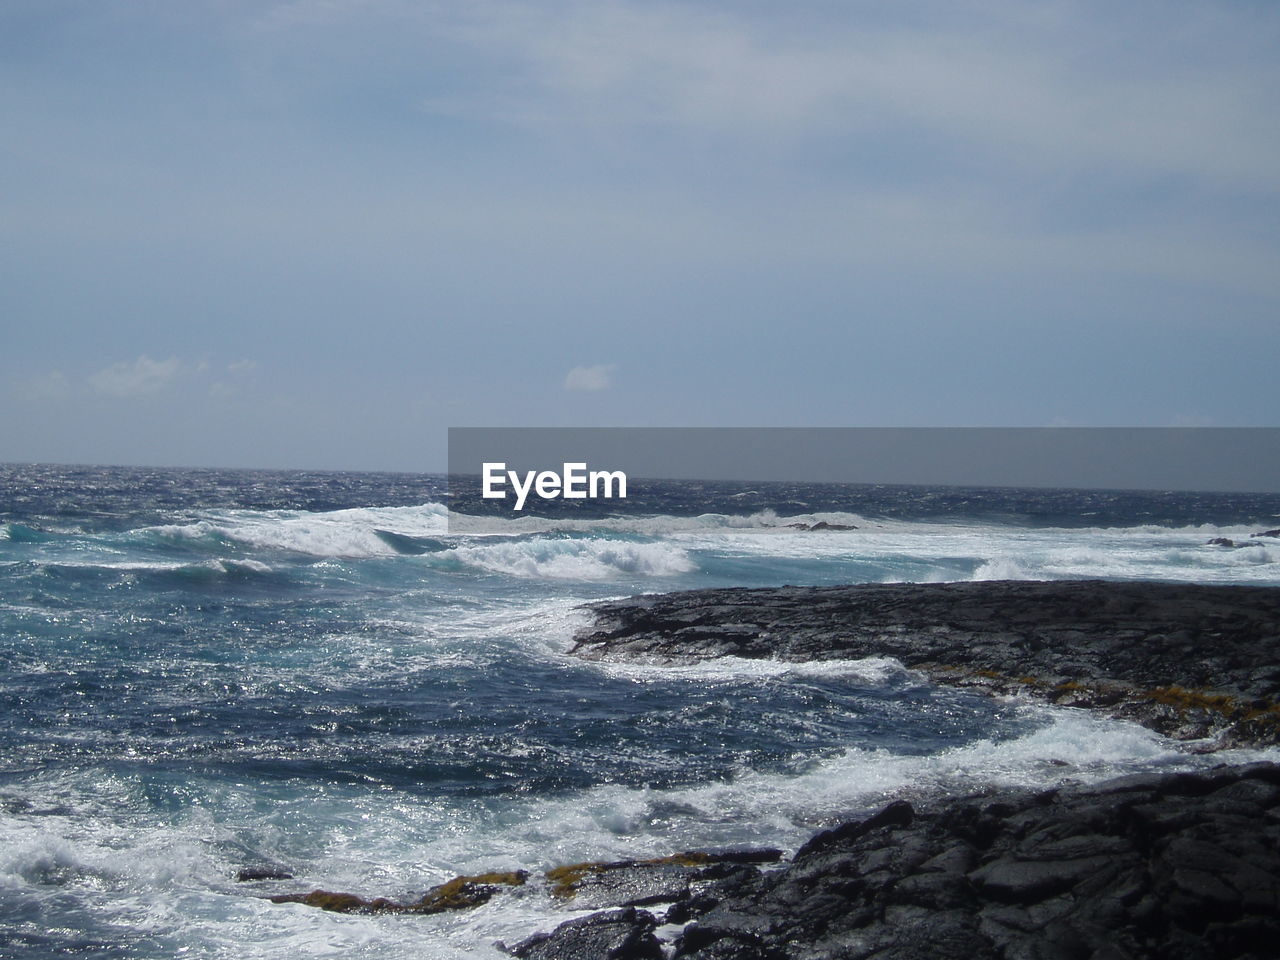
point(595, 377)
point(1044, 88)
point(139, 378)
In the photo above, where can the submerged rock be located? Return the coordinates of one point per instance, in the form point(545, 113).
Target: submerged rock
point(250, 874)
point(1190, 661)
point(460, 893)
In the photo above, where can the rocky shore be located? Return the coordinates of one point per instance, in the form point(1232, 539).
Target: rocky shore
point(1190, 661)
point(1181, 866)
point(1176, 867)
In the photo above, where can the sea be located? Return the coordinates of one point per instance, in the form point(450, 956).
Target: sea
point(325, 675)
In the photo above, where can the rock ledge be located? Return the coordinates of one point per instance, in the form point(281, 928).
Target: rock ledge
point(1190, 661)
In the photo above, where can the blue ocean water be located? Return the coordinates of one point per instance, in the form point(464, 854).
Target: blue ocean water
point(206, 671)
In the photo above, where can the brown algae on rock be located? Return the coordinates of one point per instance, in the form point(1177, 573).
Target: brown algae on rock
point(460, 893)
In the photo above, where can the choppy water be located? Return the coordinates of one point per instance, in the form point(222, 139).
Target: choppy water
point(203, 671)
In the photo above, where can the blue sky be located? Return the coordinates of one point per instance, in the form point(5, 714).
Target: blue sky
point(318, 233)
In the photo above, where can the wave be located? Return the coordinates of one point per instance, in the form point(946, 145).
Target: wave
point(162, 574)
point(354, 533)
point(1175, 557)
point(581, 560)
point(21, 533)
point(1005, 568)
point(754, 548)
point(783, 809)
point(191, 860)
point(660, 525)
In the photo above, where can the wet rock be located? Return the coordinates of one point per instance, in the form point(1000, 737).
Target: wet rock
point(1012, 880)
point(645, 882)
point(897, 814)
point(1266, 533)
point(1220, 542)
point(250, 874)
point(625, 934)
point(337, 902)
point(460, 893)
point(1080, 872)
point(1182, 659)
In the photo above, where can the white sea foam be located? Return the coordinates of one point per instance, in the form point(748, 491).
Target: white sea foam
point(669, 546)
point(1004, 568)
point(870, 670)
point(211, 566)
point(174, 877)
point(660, 525)
point(784, 809)
point(339, 533)
point(582, 560)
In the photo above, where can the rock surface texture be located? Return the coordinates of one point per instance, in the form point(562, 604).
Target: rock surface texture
point(1191, 661)
point(1173, 867)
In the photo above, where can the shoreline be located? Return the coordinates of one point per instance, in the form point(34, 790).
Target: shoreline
point(1152, 866)
point(1190, 661)
point(1142, 866)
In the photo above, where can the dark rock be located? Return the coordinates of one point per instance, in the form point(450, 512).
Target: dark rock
point(1079, 872)
point(1190, 661)
point(1030, 881)
point(640, 883)
point(1220, 542)
point(250, 874)
point(1267, 533)
point(634, 885)
point(897, 814)
point(625, 934)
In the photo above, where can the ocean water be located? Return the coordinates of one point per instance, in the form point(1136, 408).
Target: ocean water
point(207, 671)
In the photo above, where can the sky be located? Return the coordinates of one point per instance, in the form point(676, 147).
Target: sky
point(319, 233)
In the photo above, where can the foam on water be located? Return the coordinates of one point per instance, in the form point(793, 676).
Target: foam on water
point(653, 525)
point(248, 670)
point(173, 880)
point(603, 549)
point(338, 533)
point(871, 670)
point(579, 560)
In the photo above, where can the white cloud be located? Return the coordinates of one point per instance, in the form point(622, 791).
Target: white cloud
point(1047, 88)
point(142, 376)
point(242, 368)
point(595, 377)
